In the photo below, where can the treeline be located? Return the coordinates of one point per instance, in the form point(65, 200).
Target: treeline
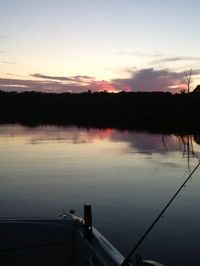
point(135, 110)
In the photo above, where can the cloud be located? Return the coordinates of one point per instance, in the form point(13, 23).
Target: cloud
point(78, 83)
point(103, 85)
point(9, 62)
point(78, 78)
point(13, 75)
point(161, 57)
point(147, 79)
point(40, 85)
point(139, 54)
point(174, 59)
point(41, 76)
point(57, 86)
point(195, 72)
point(150, 79)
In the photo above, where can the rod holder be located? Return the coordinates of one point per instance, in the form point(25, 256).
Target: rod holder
point(87, 221)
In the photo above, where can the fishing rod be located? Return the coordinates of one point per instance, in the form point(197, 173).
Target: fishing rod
point(127, 259)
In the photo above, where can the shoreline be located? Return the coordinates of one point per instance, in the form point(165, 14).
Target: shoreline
point(155, 112)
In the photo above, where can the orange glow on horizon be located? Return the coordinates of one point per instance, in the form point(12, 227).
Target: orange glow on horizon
point(107, 86)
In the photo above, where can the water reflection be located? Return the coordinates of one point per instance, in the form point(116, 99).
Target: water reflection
point(136, 141)
point(128, 177)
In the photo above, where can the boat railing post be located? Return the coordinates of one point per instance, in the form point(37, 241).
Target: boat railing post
point(87, 221)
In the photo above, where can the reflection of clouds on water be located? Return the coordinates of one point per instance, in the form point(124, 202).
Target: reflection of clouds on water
point(149, 143)
point(135, 142)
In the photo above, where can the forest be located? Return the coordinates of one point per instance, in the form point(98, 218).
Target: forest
point(158, 111)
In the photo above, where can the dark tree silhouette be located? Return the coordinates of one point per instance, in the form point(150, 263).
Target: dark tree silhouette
point(159, 111)
point(197, 89)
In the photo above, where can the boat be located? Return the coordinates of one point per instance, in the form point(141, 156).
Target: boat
point(66, 240)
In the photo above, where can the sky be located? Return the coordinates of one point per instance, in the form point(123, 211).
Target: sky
point(113, 45)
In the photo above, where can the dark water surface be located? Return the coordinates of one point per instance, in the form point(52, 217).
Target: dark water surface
point(126, 176)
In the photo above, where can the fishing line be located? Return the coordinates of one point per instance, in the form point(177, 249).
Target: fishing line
point(126, 260)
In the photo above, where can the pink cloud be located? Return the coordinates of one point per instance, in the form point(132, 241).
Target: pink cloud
point(140, 80)
point(153, 80)
point(103, 85)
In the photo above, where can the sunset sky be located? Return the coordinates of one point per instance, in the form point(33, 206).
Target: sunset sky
point(113, 45)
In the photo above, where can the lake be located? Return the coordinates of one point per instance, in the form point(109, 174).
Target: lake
point(127, 176)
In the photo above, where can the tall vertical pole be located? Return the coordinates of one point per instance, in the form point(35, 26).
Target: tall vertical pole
point(88, 221)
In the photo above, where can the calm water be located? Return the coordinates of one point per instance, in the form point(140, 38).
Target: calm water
point(126, 176)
